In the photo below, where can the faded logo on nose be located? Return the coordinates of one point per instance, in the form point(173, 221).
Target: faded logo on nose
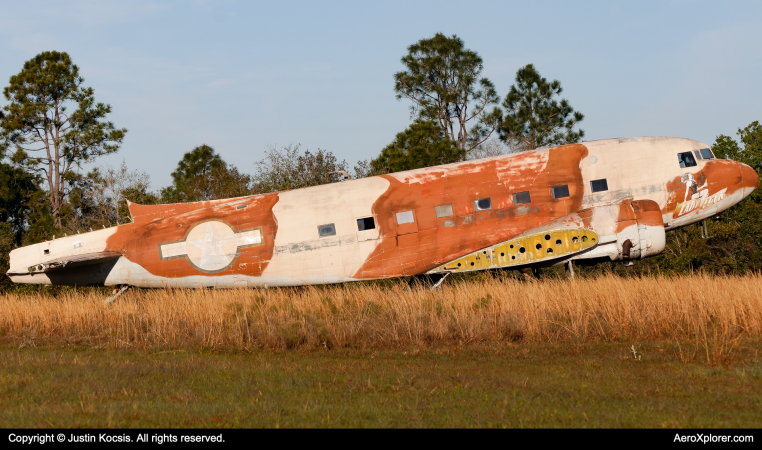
point(696, 197)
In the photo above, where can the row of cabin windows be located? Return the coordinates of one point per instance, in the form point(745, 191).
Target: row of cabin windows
point(482, 204)
point(366, 223)
point(688, 159)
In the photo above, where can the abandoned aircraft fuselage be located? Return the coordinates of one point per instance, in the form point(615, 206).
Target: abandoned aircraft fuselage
point(610, 199)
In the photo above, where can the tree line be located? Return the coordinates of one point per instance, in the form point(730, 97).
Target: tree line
point(52, 126)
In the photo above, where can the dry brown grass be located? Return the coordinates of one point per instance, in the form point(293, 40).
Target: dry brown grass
point(706, 315)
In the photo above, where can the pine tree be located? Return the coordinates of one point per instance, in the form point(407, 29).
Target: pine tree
point(203, 175)
point(533, 116)
point(54, 124)
point(443, 80)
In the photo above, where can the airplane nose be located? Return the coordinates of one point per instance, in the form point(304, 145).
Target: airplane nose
point(750, 179)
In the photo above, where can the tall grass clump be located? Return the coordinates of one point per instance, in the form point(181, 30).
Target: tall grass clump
point(713, 313)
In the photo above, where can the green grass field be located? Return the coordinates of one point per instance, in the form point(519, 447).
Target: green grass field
point(589, 384)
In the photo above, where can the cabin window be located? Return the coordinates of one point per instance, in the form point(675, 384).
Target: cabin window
point(327, 230)
point(366, 224)
point(707, 153)
point(521, 198)
point(697, 153)
point(599, 185)
point(483, 204)
point(46, 251)
point(560, 191)
point(443, 211)
point(242, 206)
point(404, 217)
point(686, 160)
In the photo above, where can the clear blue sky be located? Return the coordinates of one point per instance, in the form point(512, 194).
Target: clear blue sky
point(239, 75)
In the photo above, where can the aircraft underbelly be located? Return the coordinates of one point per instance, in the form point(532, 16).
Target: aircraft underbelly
point(127, 272)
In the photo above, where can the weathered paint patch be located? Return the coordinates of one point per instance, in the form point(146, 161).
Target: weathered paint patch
point(142, 244)
point(459, 185)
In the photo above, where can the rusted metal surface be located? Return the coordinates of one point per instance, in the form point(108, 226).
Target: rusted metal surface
point(411, 222)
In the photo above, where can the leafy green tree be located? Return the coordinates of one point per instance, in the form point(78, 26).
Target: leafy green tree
point(443, 80)
point(751, 154)
point(288, 168)
point(54, 124)
point(100, 199)
point(16, 189)
point(116, 186)
point(422, 144)
point(533, 116)
point(40, 224)
point(7, 243)
point(202, 175)
point(85, 208)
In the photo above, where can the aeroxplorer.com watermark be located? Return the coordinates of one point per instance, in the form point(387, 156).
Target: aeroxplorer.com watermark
point(712, 438)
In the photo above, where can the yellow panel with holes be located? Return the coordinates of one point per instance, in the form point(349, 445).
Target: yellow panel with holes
point(524, 250)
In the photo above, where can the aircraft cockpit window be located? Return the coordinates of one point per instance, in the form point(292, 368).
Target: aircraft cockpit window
point(560, 191)
point(327, 230)
point(521, 198)
point(366, 223)
point(707, 153)
point(443, 211)
point(483, 204)
point(404, 217)
point(698, 154)
point(686, 160)
point(600, 185)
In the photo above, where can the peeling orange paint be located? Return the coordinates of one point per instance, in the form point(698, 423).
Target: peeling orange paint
point(535, 172)
point(139, 243)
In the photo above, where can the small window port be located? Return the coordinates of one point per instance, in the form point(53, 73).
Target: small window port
point(328, 229)
point(483, 204)
point(560, 191)
point(521, 198)
point(366, 223)
point(599, 185)
point(686, 159)
point(443, 211)
point(404, 217)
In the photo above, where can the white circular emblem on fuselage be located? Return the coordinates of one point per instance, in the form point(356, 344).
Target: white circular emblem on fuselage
point(211, 246)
